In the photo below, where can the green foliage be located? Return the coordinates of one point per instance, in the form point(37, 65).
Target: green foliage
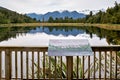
point(8, 16)
point(112, 15)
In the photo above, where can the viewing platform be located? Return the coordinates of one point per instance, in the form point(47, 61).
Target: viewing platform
point(34, 63)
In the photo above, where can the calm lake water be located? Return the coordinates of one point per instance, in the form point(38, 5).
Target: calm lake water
point(39, 36)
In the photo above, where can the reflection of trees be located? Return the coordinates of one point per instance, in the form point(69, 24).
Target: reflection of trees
point(12, 32)
point(112, 37)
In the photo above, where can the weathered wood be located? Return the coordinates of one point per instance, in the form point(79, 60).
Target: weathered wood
point(77, 67)
point(27, 63)
point(100, 49)
point(32, 65)
point(69, 67)
point(43, 65)
point(116, 65)
point(99, 64)
point(88, 67)
point(16, 66)
point(38, 54)
point(8, 64)
point(21, 65)
point(83, 67)
point(0, 64)
point(110, 64)
point(94, 64)
point(105, 65)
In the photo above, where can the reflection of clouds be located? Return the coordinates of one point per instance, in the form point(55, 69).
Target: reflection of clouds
point(42, 39)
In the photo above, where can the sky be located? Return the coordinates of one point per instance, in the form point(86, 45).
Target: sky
point(44, 6)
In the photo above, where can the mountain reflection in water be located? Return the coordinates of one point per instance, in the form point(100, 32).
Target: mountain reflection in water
point(111, 36)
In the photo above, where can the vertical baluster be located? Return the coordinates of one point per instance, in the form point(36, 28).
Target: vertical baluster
point(83, 67)
point(32, 64)
point(44, 65)
point(88, 67)
point(61, 67)
point(116, 65)
point(21, 65)
point(77, 67)
point(55, 67)
point(94, 65)
point(38, 64)
point(8, 70)
point(110, 65)
point(105, 65)
point(49, 67)
point(0, 63)
point(100, 65)
point(27, 63)
point(16, 66)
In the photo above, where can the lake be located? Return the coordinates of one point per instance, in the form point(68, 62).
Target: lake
point(39, 36)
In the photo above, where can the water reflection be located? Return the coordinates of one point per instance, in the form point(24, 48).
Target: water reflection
point(111, 36)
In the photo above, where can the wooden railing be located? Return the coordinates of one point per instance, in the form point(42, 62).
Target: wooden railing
point(34, 63)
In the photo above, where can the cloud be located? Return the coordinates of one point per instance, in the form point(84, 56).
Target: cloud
point(43, 6)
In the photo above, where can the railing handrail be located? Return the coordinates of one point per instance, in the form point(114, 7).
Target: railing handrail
point(95, 48)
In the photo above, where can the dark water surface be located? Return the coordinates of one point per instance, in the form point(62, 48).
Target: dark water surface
point(39, 36)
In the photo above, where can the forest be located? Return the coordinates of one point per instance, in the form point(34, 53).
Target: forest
point(111, 15)
point(8, 16)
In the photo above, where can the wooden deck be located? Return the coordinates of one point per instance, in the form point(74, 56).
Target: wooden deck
point(34, 63)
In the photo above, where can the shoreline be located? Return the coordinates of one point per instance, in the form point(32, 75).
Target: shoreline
point(104, 26)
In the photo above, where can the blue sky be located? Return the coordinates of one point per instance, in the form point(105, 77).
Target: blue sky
point(43, 6)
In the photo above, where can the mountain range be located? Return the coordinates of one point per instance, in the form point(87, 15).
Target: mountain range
point(57, 14)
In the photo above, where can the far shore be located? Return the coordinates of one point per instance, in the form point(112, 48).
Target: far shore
point(105, 26)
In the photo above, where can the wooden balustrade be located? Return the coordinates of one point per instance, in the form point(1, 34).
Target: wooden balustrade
point(34, 63)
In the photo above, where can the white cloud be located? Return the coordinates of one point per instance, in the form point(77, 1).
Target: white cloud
point(43, 6)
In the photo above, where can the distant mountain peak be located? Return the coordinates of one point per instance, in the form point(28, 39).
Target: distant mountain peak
point(57, 14)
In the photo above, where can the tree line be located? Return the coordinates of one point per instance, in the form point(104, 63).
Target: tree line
point(111, 15)
point(8, 16)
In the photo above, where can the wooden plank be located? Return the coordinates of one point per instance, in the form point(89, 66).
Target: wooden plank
point(27, 63)
point(110, 65)
point(7, 64)
point(32, 64)
point(94, 65)
point(43, 65)
point(0, 64)
point(21, 65)
point(77, 67)
point(69, 67)
point(88, 67)
point(116, 65)
point(83, 67)
point(16, 66)
point(99, 65)
point(105, 65)
point(38, 54)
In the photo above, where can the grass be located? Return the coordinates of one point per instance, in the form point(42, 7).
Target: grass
point(105, 26)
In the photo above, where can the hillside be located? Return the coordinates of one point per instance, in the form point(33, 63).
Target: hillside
point(111, 15)
point(57, 14)
point(8, 16)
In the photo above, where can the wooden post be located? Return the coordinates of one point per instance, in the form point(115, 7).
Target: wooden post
point(0, 64)
point(69, 67)
point(8, 65)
